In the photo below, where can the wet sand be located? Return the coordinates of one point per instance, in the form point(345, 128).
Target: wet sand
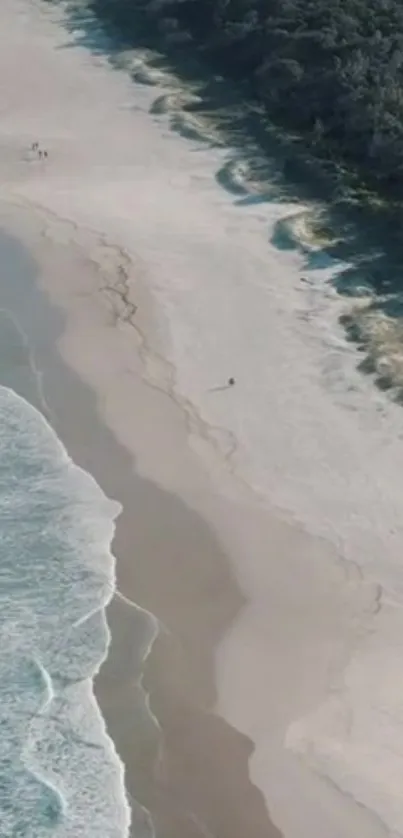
point(187, 761)
point(262, 658)
point(190, 770)
point(192, 775)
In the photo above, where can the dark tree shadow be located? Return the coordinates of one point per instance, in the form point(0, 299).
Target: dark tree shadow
point(365, 231)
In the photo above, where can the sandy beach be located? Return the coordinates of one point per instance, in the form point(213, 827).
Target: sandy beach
point(248, 550)
point(185, 763)
point(187, 773)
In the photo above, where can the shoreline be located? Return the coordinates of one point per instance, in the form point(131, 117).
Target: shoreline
point(179, 572)
point(166, 769)
point(299, 608)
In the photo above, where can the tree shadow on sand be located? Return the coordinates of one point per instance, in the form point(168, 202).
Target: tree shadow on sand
point(261, 163)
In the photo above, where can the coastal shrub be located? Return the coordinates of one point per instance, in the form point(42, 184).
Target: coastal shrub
point(330, 69)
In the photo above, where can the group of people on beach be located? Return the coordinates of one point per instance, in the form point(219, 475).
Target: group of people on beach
point(40, 152)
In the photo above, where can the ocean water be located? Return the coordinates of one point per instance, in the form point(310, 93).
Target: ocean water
point(303, 426)
point(59, 772)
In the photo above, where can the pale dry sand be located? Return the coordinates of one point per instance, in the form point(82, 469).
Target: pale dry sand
point(189, 769)
point(157, 310)
point(289, 619)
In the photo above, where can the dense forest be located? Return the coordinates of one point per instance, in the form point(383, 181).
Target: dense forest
point(330, 69)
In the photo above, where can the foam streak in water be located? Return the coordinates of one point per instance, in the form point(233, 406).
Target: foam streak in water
point(59, 773)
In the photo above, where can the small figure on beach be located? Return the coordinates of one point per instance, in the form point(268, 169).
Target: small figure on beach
point(41, 153)
point(230, 383)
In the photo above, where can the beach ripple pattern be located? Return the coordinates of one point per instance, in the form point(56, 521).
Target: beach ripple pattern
point(59, 772)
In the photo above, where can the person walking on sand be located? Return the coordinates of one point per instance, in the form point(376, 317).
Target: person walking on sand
point(230, 383)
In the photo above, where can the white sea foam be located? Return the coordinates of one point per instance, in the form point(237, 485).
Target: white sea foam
point(58, 768)
point(306, 430)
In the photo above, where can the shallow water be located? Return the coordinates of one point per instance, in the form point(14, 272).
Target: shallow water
point(302, 427)
point(62, 775)
point(59, 773)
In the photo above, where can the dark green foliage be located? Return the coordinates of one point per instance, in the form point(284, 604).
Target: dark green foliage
point(331, 69)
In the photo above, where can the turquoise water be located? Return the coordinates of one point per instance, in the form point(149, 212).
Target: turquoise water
point(59, 773)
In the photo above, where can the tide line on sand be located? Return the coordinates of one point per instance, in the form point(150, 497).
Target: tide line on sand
point(310, 432)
